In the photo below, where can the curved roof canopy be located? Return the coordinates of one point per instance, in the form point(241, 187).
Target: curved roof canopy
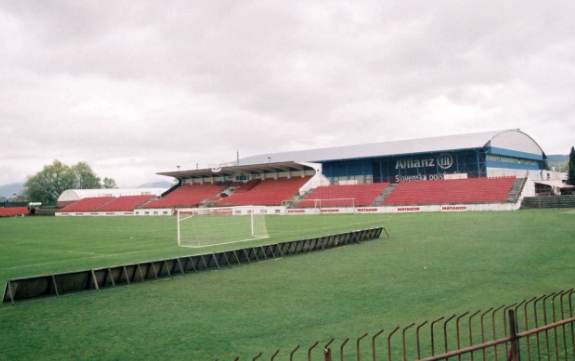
point(512, 139)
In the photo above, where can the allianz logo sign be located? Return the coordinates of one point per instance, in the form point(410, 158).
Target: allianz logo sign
point(443, 161)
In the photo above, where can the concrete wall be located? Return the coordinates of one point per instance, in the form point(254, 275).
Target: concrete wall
point(77, 214)
point(529, 174)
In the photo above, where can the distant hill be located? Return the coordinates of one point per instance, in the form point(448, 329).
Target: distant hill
point(558, 160)
point(7, 190)
point(159, 184)
point(558, 157)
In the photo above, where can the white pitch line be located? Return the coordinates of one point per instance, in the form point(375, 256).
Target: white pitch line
point(224, 243)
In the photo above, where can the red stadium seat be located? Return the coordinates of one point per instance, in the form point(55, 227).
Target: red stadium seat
point(452, 191)
point(187, 195)
point(125, 203)
point(271, 192)
point(13, 211)
point(92, 204)
point(342, 195)
point(107, 204)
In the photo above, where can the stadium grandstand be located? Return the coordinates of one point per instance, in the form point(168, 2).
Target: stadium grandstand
point(271, 184)
point(488, 168)
point(455, 191)
point(105, 201)
point(14, 211)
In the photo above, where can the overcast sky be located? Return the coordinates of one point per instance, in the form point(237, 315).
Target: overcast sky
point(136, 87)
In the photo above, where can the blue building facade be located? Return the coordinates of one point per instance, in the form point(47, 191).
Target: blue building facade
point(498, 153)
point(430, 166)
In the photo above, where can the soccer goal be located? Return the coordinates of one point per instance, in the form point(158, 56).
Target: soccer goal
point(205, 227)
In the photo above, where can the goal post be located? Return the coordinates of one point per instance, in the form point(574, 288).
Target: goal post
point(205, 227)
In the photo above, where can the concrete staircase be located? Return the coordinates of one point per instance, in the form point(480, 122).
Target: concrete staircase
point(516, 190)
point(293, 200)
point(378, 201)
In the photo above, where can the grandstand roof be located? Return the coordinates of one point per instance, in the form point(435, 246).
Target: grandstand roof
point(513, 139)
point(77, 194)
point(234, 169)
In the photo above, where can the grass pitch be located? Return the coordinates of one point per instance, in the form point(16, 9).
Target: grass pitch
point(434, 264)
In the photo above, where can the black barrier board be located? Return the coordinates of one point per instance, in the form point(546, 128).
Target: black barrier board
point(99, 278)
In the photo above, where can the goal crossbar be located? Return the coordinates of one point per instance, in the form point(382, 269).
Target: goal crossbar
point(204, 227)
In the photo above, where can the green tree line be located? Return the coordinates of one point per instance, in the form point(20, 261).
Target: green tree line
point(47, 185)
point(571, 171)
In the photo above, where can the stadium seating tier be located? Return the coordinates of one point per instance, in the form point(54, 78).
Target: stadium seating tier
point(342, 195)
point(90, 204)
point(13, 211)
point(186, 195)
point(125, 203)
point(452, 191)
point(270, 192)
point(106, 204)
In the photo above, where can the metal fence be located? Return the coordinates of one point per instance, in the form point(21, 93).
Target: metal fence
point(536, 329)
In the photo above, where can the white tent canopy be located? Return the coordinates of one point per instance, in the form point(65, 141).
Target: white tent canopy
point(72, 195)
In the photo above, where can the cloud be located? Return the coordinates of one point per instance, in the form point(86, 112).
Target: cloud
point(139, 87)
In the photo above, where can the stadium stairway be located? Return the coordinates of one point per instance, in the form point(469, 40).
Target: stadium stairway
point(293, 201)
point(271, 192)
point(516, 190)
point(378, 201)
point(186, 195)
point(171, 189)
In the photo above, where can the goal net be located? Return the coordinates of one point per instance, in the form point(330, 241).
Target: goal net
point(204, 227)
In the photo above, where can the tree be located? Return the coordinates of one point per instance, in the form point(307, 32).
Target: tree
point(109, 183)
point(85, 176)
point(571, 172)
point(47, 185)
